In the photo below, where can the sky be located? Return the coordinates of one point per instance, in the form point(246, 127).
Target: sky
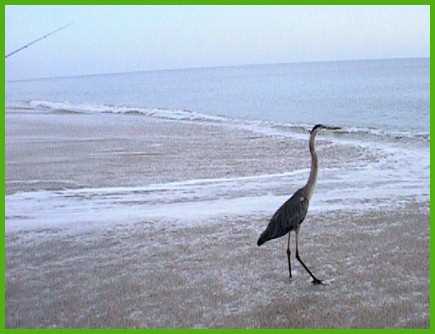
point(107, 39)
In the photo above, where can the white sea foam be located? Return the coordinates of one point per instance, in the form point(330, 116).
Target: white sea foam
point(173, 114)
point(194, 201)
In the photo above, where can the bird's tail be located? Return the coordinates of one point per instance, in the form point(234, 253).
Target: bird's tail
point(262, 239)
point(272, 231)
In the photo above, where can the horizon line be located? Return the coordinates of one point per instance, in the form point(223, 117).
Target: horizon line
point(209, 67)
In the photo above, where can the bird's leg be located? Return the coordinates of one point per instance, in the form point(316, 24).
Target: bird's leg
point(288, 256)
point(315, 280)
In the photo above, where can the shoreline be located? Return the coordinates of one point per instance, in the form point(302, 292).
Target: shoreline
point(157, 271)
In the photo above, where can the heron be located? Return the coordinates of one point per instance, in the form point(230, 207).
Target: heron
point(291, 214)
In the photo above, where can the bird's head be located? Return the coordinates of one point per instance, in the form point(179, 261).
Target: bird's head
point(319, 127)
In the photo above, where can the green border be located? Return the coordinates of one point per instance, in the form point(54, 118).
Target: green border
point(205, 2)
point(3, 186)
point(218, 2)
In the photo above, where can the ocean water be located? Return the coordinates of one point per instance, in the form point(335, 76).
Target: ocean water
point(391, 95)
point(382, 106)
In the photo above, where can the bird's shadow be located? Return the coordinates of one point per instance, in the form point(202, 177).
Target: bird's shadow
point(324, 283)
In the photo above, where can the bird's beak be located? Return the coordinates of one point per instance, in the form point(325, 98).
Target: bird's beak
point(332, 128)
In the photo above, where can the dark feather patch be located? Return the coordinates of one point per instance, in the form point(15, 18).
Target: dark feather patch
point(287, 218)
point(317, 126)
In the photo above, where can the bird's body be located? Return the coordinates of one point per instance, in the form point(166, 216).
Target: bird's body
point(291, 214)
point(287, 218)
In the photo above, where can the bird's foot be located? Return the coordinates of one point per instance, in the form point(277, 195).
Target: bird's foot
point(317, 282)
point(290, 279)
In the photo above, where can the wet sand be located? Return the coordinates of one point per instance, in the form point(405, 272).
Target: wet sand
point(72, 151)
point(215, 275)
point(161, 274)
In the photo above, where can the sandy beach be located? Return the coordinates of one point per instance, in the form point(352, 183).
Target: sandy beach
point(201, 270)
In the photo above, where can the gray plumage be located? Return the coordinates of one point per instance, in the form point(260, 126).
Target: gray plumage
point(287, 218)
point(291, 214)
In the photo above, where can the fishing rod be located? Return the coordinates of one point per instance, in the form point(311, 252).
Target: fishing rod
point(37, 40)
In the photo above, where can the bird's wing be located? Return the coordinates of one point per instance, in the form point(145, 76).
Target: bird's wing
point(292, 212)
point(286, 218)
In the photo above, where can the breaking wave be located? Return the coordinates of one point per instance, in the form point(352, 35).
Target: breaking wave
point(262, 126)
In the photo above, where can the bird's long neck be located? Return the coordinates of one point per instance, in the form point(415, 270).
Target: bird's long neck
point(309, 187)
